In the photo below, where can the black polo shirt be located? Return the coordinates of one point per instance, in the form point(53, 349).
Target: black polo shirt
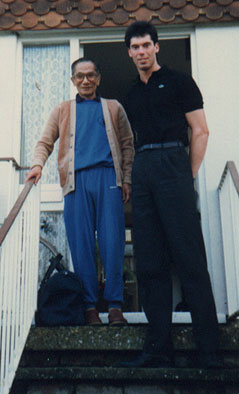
point(156, 110)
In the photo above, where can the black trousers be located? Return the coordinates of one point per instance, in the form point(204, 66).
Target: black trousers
point(166, 228)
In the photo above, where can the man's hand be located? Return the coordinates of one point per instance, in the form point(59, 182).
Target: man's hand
point(126, 192)
point(35, 172)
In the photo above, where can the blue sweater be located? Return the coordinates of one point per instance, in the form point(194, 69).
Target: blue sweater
point(92, 147)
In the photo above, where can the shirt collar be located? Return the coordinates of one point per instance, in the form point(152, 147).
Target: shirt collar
point(156, 74)
point(80, 99)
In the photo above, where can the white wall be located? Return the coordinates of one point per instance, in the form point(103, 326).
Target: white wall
point(4, 190)
point(215, 61)
point(217, 52)
point(8, 134)
point(8, 49)
point(9, 188)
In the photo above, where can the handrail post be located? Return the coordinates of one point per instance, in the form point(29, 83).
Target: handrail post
point(19, 248)
point(229, 212)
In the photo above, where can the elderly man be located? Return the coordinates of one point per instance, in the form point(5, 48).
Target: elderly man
point(94, 162)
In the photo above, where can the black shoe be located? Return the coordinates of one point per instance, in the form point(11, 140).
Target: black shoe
point(145, 360)
point(211, 361)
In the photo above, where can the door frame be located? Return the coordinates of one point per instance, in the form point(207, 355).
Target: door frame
point(51, 196)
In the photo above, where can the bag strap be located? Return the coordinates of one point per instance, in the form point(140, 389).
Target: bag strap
point(54, 264)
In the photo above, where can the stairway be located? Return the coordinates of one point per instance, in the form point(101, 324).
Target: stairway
point(80, 360)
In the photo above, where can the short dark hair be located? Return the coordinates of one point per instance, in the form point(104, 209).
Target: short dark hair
point(84, 60)
point(140, 29)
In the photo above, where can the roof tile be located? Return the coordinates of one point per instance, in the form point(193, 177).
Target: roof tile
point(74, 18)
point(224, 2)
point(52, 19)
point(166, 14)
point(200, 3)
point(234, 9)
point(64, 14)
point(3, 8)
point(190, 13)
point(7, 21)
point(131, 5)
point(177, 3)
point(86, 6)
point(63, 7)
point(97, 17)
point(108, 5)
point(120, 16)
point(29, 20)
point(214, 12)
point(143, 14)
point(18, 8)
point(41, 7)
point(153, 4)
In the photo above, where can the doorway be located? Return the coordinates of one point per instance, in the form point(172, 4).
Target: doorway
point(118, 70)
point(118, 73)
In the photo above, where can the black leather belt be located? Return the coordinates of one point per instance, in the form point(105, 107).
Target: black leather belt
point(159, 146)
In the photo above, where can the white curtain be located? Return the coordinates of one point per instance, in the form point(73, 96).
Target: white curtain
point(46, 83)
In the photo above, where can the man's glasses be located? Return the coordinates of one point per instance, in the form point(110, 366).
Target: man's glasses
point(90, 76)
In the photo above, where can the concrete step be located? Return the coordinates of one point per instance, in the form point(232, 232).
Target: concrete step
point(73, 360)
point(183, 379)
point(130, 337)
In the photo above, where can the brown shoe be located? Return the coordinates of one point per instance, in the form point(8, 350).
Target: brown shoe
point(116, 318)
point(92, 317)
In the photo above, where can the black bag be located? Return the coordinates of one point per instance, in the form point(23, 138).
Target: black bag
point(60, 297)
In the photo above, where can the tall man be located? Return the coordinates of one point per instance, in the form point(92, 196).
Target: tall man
point(160, 107)
point(94, 162)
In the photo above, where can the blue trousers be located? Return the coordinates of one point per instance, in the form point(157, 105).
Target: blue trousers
point(97, 205)
point(167, 229)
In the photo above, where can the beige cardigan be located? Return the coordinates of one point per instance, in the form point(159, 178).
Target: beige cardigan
point(61, 124)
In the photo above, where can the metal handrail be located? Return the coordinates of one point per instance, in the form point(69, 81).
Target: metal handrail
point(231, 167)
point(15, 163)
point(8, 222)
